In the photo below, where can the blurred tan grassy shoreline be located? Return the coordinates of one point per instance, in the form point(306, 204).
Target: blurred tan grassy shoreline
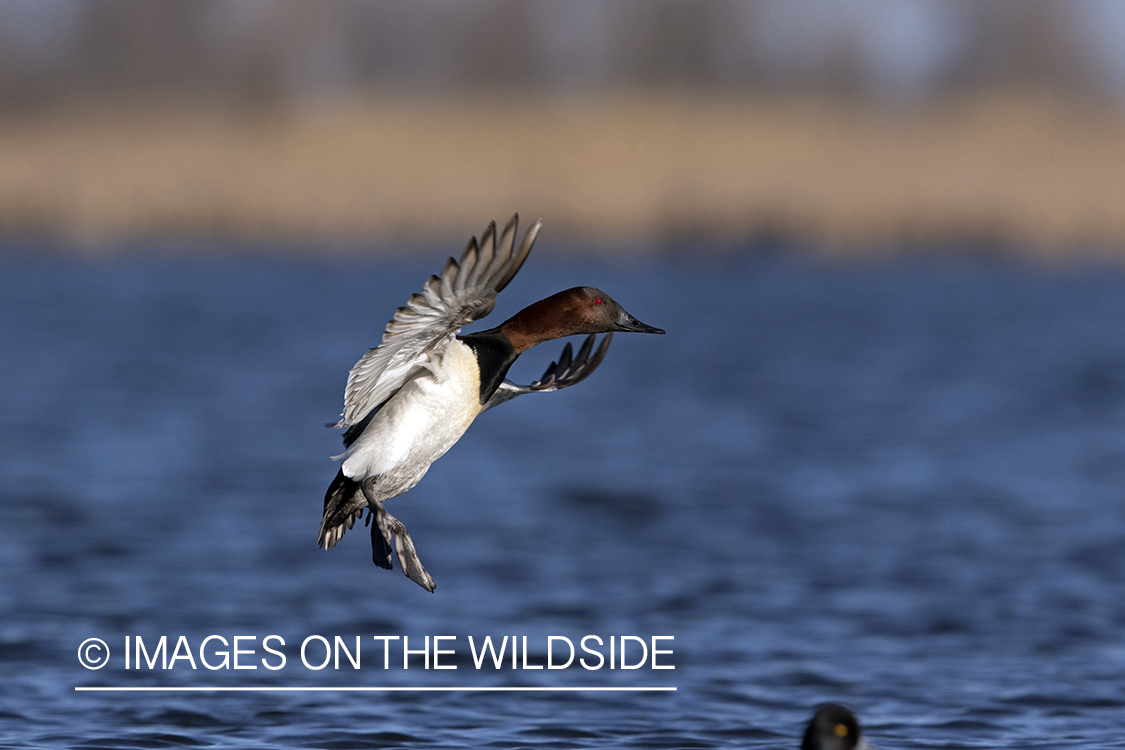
point(1029, 173)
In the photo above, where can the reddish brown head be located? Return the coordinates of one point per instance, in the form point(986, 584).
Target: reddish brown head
point(582, 309)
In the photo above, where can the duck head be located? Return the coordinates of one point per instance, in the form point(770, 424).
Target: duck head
point(834, 727)
point(580, 310)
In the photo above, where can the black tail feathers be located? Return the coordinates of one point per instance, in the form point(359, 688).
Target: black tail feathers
point(343, 503)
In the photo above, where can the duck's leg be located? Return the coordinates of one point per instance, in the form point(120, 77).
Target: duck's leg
point(382, 530)
point(380, 539)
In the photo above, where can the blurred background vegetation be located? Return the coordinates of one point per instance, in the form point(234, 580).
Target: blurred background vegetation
point(842, 125)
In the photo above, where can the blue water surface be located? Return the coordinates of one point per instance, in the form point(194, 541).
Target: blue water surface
point(897, 485)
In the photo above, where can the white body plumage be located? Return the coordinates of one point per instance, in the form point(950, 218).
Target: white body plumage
point(421, 421)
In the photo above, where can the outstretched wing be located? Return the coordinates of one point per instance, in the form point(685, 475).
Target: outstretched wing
point(464, 292)
point(567, 371)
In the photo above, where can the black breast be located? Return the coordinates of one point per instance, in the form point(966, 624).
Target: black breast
point(495, 354)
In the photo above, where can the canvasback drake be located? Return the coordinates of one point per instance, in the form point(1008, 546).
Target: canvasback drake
point(411, 398)
point(834, 727)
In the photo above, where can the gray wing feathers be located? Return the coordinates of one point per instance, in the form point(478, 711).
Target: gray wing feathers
point(464, 292)
point(570, 369)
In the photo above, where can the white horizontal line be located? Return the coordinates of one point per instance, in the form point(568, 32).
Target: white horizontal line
point(161, 689)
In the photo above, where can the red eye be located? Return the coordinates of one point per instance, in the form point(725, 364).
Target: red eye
point(597, 300)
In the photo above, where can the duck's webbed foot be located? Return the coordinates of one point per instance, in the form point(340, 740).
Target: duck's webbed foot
point(407, 555)
point(385, 527)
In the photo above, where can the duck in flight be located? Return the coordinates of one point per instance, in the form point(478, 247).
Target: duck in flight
point(410, 399)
